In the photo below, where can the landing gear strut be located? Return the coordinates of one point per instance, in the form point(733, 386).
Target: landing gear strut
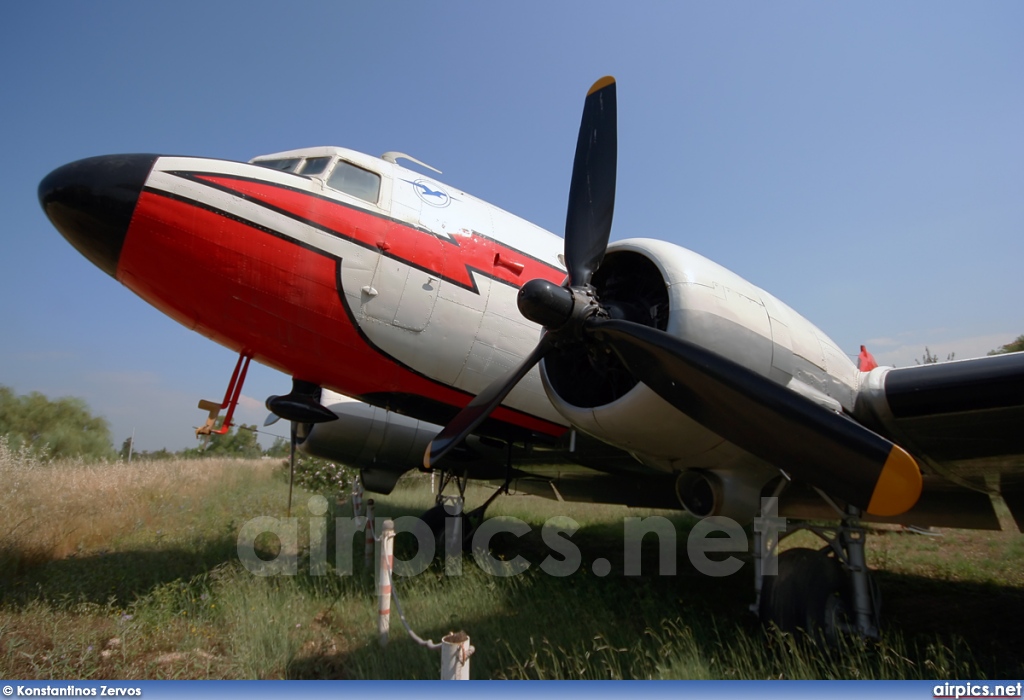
point(828, 593)
point(452, 506)
point(447, 506)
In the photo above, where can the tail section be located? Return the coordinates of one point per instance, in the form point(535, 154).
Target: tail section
point(865, 361)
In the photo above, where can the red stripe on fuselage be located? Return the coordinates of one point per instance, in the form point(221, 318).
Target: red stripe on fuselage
point(451, 258)
point(254, 292)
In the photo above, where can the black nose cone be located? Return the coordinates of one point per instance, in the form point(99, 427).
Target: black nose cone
point(91, 203)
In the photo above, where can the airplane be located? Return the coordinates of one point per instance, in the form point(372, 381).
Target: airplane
point(652, 375)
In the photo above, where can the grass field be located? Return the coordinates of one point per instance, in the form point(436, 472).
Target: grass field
point(131, 571)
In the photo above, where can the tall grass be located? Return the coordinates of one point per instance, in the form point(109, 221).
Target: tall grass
point(55, 509)
point(131, 571)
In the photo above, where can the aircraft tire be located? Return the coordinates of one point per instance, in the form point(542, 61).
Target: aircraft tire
point(809, 595)
point(435, 520)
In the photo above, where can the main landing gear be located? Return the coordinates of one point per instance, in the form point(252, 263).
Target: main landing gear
point(827, 593)
point(451, 507)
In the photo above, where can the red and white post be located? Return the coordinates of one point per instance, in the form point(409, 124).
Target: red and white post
point(384, 564)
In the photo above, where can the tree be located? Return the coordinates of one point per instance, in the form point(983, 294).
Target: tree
point(244, 442)
point(280, 448)
point(127, 448)
point(1015, 346)
point(60, 428)
point(239, 442)
point(930, 359)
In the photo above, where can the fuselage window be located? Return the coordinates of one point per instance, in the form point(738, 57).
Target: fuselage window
point(355, 181)
point(314, 166)
point(285, 164)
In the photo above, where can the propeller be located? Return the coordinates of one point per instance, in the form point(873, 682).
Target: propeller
point(300, 405)
point(813, 444)
point(587, 228)
point(293, 442)
point(291, 464)
point(271, 419)
point(768, 420)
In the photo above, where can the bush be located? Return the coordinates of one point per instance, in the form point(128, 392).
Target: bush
point(315, 475)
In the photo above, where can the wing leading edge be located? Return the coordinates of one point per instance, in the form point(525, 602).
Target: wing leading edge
point(963, 420)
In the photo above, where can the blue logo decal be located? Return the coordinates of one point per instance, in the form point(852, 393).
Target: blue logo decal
point(430, 193)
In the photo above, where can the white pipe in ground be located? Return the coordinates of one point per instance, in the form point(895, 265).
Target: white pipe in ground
point(455, 653)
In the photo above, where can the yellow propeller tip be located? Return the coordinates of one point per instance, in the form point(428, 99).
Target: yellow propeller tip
point(602, 83)
point(898, 486)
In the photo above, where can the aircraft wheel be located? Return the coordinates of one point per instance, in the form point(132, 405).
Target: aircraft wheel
point(470, 522)
point(811, 594)
point(435, 519)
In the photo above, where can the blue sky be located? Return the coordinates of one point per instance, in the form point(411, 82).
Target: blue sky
point(863, 162)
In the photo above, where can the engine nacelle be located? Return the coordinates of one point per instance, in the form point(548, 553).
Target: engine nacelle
point(678, 291)
point(382, 444)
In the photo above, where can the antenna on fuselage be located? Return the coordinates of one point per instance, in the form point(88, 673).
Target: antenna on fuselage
point(393, 156)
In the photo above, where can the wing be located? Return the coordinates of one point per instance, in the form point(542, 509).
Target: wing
point(962, 420)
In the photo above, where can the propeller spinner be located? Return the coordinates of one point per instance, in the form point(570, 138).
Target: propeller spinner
point(811, 443)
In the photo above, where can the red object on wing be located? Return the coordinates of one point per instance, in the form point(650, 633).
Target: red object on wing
point(865, 361)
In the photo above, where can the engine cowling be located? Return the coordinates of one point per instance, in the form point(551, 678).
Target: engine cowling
point(382, 444)
point(682, 293)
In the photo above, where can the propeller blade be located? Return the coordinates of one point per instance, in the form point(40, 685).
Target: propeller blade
point(291, 465)
point(588, 222)
point(271, 419)
point(766, 419)
point(588, 225)
point(470, 417)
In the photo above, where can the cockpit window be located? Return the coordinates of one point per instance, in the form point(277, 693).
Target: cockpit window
point(314, 166)
point(355, 181)
point(285, 164)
